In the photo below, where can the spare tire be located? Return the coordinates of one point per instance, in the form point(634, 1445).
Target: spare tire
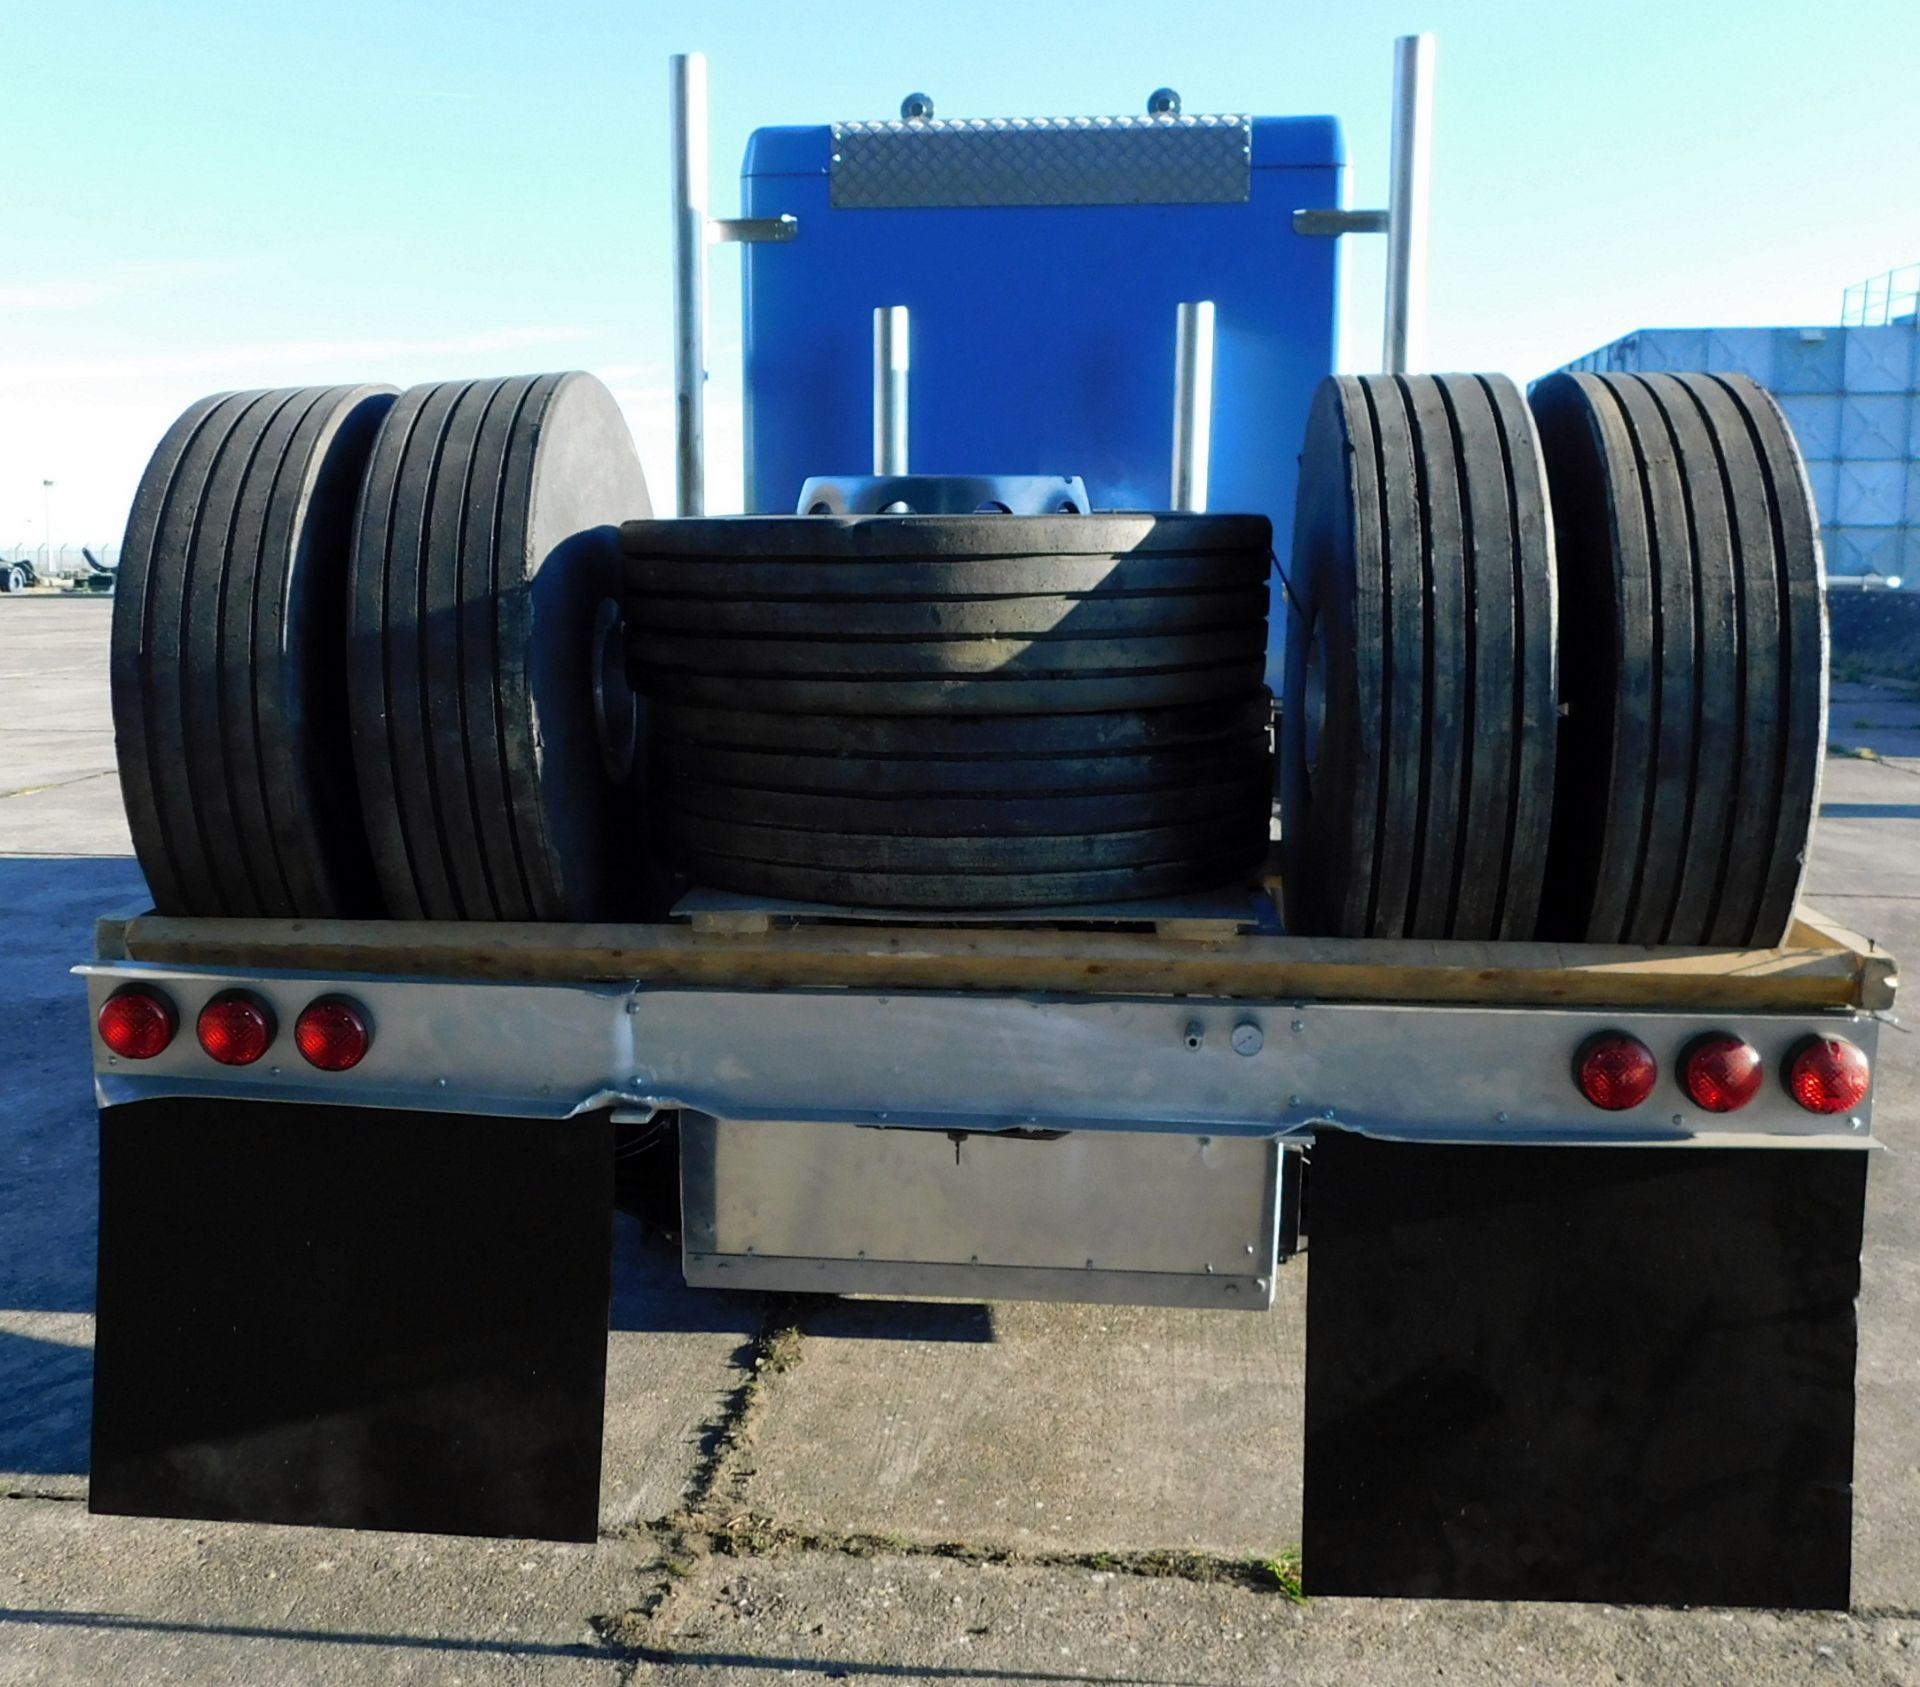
point(495, 735)
point(228, 665)
point(955, 711)
point(1417, 737)
point(1693, 660)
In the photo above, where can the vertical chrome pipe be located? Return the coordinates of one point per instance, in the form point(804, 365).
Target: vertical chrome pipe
point(1412, 179)
point(687, 105)
point(891, 362)
point(1192, 404)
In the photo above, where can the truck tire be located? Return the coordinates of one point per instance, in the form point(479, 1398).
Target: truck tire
point(13, 578)
point(228, 657)
point(955, 711)
point(1693, 661)
point(495, 736)
point(1417, 736)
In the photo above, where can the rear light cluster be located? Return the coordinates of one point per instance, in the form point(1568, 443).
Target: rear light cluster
point(236, 1027)
point(1721, 1072)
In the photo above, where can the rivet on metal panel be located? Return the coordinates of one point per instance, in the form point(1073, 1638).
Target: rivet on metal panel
point(1857, 1122)
point(1296, 1101)
point(1679, 1118)
point(1299, 1025)
point(440, 1083)
point(1502, 1116)
point(1233, 1288)
point(1249, 1247)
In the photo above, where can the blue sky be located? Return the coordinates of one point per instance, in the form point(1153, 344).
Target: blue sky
point(207, 195)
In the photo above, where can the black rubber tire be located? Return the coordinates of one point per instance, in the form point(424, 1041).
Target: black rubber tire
point(229, 654)
point(1693, 661)
point(956, 711)
point(485, 557)
point(963, 889)
point(1417, 773)
point(948, 615)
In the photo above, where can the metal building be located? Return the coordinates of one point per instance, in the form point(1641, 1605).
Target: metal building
point(1852, 393)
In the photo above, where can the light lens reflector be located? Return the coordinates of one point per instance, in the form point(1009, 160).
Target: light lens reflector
point(137, 1022)
point(333, 1033)
point(1721, 1072)
point(1827, 1075)
point(235, 1028)
point(1615, 1071)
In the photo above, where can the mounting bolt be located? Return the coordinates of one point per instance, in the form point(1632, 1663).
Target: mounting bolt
point(1296, 1101)
point(440, 1083)
point(1247, 1038)
point(1857, 1122)
point(1299, 1025)
point(917, 108)
point(1195, 1034)
point(1679, 1118)
point(1502, 1116)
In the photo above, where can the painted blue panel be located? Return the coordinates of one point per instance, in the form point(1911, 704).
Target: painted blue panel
point(1874, 425)
point(1809, 360)
point(1880, 359)
point(1870, 494)
point(1815, 419)
point(1042, 336)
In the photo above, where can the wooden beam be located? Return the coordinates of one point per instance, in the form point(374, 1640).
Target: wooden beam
point(1817, 971)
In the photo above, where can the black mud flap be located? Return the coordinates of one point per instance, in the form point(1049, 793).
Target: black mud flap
point(360, 1318)
point(1581, 1373)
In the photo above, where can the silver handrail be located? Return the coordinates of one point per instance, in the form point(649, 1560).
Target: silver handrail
point(687, 102)
point(1407, 204)
point(1192, 404)
point(891, 363)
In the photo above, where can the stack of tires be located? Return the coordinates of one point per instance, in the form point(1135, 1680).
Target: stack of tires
point(955, 711)
point(366, 657)
point(1555, 668)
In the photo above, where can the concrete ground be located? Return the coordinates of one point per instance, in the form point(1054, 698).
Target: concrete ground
point(837, 1490)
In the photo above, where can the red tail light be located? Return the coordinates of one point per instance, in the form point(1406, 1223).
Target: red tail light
point(235, 1028)
point(137, 1022)
point(333, 1033)
point(1827, 1075)
point(1721, 1072)
point(1615, 1071)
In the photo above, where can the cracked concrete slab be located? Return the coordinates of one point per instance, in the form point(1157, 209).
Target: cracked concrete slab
point(97, 1599)
point(732, 1622)
point(674, 1357)
point(1036, 1425)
